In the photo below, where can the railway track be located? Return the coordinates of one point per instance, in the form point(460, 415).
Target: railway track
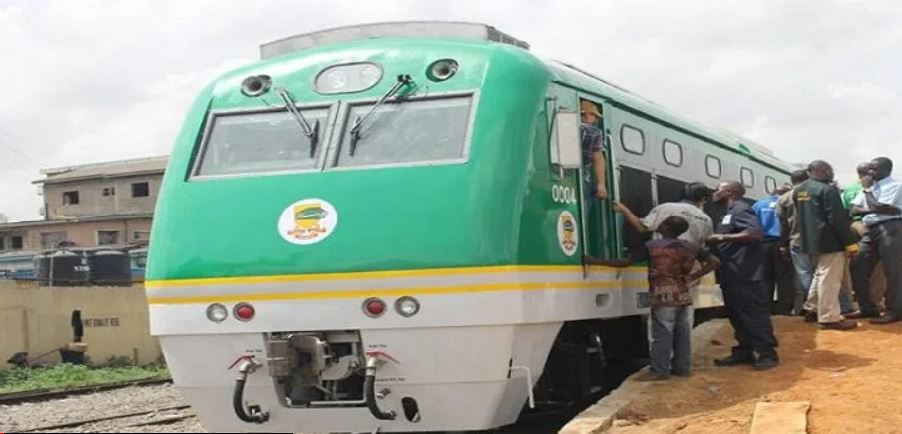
point(162, 420)
point(51, 394)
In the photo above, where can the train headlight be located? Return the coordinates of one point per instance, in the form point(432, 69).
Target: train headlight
point(374, 307)
point(443, 69)
point(407, 306)
point(217, 313)
point(352, 77)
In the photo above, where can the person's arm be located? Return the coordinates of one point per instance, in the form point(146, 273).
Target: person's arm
point(785, 229)
point(748, 230)
point(600, 166)
point(633, 220)
point(709, 263)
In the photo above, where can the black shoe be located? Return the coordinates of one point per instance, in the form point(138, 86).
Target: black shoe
point(810, 316)
point(860, 315)
point(845, 324)
point(885, 319)
point(765, 363)
point(734, 360)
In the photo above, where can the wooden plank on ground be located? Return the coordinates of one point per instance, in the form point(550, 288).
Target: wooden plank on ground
point(781, 418)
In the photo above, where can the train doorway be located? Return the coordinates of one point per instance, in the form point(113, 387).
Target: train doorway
point(600, 236)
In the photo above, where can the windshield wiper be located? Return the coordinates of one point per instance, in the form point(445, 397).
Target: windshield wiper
point(403, 80)
point(311, 133)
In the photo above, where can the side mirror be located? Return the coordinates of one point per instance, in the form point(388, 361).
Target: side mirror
point(565, 142)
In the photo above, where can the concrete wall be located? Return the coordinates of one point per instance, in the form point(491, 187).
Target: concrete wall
point(37, 320)
point(92, 202)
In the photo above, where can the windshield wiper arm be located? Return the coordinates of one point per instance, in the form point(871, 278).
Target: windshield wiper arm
point(311, 133)
point(403, 80)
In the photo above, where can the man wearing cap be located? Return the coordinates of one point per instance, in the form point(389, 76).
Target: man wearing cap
point(594, 161)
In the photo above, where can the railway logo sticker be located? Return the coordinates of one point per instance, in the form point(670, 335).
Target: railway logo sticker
point(308, 221)
point(567, 234)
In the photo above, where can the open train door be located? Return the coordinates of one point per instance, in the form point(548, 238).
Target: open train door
point(599, 236)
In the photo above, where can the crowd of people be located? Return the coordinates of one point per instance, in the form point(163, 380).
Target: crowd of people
point(829, 253)
point(812, 249)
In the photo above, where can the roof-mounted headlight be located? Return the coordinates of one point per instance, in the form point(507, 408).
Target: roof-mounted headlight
point(352, 77)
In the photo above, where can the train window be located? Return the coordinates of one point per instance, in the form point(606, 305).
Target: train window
point(632, 139)
point(673, 153)
point(747, 177)
point(670, 190)
point(258, 142)
point(713, 167)
point(420, 131)
point(770, 184)
point(635, 193)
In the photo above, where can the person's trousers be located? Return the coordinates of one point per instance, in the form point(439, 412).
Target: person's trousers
point(780, 277)
point(748, 308)
point(671, 342)
point(805, 274)
point(824, 295)
point(882, 242)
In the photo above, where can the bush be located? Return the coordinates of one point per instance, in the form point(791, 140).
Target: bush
point(68, 376)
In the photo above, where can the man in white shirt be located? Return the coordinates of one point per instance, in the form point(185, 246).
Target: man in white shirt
point(881, 205)
point(691, 208)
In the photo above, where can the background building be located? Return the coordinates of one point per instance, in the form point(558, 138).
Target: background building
point(92, 205)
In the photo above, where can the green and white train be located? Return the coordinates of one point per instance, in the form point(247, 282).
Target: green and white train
point(380, 228)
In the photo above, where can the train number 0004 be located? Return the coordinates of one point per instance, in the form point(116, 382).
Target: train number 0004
point(561, 194)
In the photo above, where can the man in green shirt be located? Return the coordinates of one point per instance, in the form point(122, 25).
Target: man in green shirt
point(852, 191)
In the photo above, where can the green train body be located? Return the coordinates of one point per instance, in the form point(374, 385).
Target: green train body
point(487, 196)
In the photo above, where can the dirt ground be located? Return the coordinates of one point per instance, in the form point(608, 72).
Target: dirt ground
point(852, 379)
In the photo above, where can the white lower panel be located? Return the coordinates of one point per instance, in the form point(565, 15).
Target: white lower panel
point(459, 376)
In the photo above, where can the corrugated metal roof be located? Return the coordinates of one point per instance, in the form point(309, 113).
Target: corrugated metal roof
point(112, 169)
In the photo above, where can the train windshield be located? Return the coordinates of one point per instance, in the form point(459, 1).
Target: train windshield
point(261, 142)
point(408, 132)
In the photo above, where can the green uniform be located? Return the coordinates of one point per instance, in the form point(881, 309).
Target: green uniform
point(848, 196)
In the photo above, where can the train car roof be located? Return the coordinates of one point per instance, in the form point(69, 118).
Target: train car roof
point(568, 74)
point(561, 72)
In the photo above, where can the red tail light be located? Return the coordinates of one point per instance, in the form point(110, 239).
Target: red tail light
point(374, 307)
point(244, 312)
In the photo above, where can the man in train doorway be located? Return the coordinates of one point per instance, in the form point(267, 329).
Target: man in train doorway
point(738, 243)
point(594, 161)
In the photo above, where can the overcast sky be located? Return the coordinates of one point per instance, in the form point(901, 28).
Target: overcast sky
point(89, 81)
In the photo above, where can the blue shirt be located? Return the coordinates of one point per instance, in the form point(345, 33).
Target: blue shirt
point(766, 210)
point(887, 191)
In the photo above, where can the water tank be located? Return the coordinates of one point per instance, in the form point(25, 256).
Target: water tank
point(111, 268)
point(63, 268)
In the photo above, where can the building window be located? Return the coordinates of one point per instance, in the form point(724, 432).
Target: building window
point(17, 243)
point(673, 153)
point(747, 177)
point(70, 198)
point(140, 189)
point(141, 236)
point(713, 167)
point(108, 191)
point(632, 139)
point(51, 240)
point(2, 243)
point(770, 184)
point(107, 238)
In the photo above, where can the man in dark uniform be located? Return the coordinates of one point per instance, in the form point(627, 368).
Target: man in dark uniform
point(737, 241)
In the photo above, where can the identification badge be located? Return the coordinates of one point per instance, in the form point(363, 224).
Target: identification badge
point(727, 219)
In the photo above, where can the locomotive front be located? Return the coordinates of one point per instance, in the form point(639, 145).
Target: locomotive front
point(334, 228)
